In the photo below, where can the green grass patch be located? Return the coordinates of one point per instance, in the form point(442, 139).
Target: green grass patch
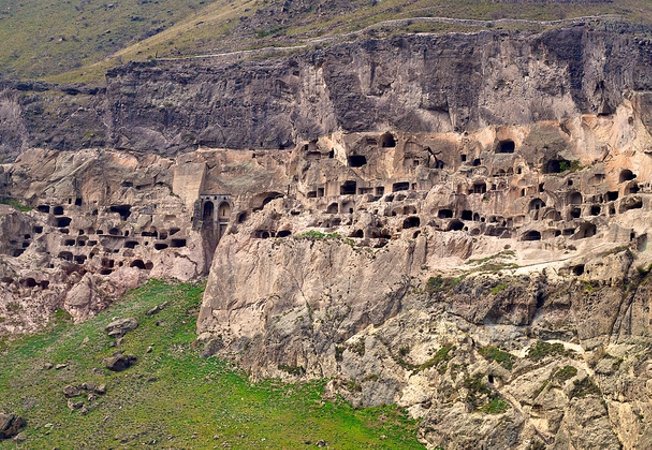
point(498, 288)
point(542, 349)
point(565, 373)
point(502, 357)
point(442, 355)
point(495, 406)
point(314, 235)
point(16, 204)
point(172, 397)
point(441, 284)
point(585, 387)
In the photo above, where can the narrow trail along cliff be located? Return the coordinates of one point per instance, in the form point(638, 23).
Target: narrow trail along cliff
point(456, 224)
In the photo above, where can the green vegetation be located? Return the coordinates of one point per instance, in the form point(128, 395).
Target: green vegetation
point(358, 347)
point(80, 40)
point(498, 288)
point(483, 398)
point(495, 406)
point(570, 166)
point(441, 284)
point(616, 361)
point(542, 349)
point(172, 397)
point(565, 373)
point(16, 204)
point(441, 356)
point(502, 254)
point(585, 387)
point(314, 235)
point(502, 357)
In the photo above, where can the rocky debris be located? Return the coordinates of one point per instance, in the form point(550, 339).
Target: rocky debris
point(60, 366)
point(211, 347)
point(118, 328)
point(10, 425)
point(157, 309)
point(74, 405)
point(71, 390)
point(120, 362)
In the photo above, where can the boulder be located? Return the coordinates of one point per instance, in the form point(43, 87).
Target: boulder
point(119, 363)
point(120, 327)
point(10, 425)
point(73, 391)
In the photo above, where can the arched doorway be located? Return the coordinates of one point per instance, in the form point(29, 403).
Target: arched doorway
point(209, 209)
point(224, 211)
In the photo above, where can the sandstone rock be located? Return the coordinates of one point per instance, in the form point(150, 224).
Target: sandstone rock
point(157, 309)
point(120, 362)
point(10, 425)
point(73, 390)
point(118, 328)
point(211, 347)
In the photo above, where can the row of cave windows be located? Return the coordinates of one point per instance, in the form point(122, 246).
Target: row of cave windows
point(536, 205)
point(586, 230)
point(63, 222)
point(410, 222)
point(23, 246)
point(123, 210)
point(387, 140)
point(350, 188)
point(174, 243)
point(108, 265)
point(27, 282)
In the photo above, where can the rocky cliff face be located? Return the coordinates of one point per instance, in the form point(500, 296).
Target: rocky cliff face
point(416, 83)
point(457, 224)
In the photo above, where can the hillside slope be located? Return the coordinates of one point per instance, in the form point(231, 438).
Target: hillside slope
point(171, 397)
point(47, 38)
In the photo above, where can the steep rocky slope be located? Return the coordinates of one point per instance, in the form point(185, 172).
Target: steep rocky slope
point(455, 223)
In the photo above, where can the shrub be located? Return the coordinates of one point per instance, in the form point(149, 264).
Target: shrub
point(541, 349)
point(502, 357)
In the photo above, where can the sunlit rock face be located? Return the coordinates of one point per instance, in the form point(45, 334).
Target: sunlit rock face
point(454, 223)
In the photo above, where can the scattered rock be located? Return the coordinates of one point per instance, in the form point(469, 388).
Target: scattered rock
point(10, 425)
point(60, 366)
point(100, 390)
point(120, 327)
point(71, 391)
point(47, 366)
point(72, 405)
point(20, 437)
point(212, 347)
point(120, 362)
point(321, 443)
point(157, 309)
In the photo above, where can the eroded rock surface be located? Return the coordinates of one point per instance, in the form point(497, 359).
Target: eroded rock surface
point(457, 224)
point(10, 425)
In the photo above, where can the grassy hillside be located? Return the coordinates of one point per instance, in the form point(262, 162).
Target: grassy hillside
point(50, 36)
point(44, 38)
point(171, 398)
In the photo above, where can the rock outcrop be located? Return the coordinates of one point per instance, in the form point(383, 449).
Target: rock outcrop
point(457, 224)
point(10, 425)
point(415, 83)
